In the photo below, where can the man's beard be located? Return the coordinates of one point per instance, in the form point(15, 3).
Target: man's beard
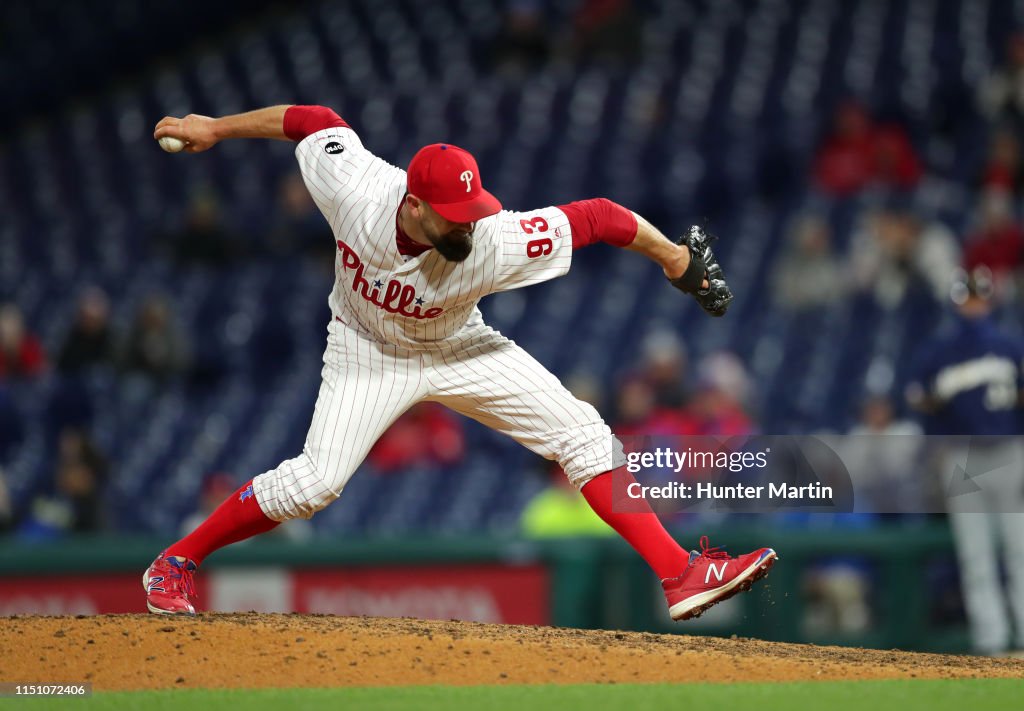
point(454, 246)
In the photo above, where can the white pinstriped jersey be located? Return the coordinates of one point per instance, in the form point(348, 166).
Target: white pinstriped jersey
point(425, 301)
point(410, 331)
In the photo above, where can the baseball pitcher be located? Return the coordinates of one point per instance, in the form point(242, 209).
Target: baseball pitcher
point(416, 251)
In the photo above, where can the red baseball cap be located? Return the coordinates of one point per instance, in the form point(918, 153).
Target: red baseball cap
point(448, 178)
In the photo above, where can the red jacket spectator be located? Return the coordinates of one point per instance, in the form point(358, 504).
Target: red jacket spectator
point(426, 434)
point(998, 243)
point(661, 421)
point(21, 353)
point(639, 414)
point(859, 153)
point(1003, 169)
point(723, 386)
point(1000, 249)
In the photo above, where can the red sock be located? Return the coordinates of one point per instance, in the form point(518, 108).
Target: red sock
point(238, 518)
point(634, 521)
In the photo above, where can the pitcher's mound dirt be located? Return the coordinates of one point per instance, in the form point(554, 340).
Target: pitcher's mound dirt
point(256, 650)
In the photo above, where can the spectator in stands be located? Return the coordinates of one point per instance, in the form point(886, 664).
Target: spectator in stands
point(895, 252)
point(663, 365)
point(895, 162)
point(809, 274)
point(646, 422)
point(299, 227)
point(215, 488)
point(427, 435)
point(559, 510)
point(1003, 167)
point(205, 238)
point(859, 154)
point(836, 597)
point(607, 31)
point(155, 346)
point(90, 343)
point(523, 44)
point(878, 417)
point(587, 387)
point(1002, 94)
point(997, 242)
point(638, 413)
point(882, 455)
point(75, 502)
point(21, 353)
point(722, 398)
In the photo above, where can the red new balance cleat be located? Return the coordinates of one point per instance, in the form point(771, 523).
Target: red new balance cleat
point(169, 586)
point(712, 576)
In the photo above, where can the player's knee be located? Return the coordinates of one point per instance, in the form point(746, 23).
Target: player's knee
point(317, 499)
point(295, 489)
point(594, 451)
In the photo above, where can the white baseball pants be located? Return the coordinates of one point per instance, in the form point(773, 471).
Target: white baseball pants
point(985, 522)
point(367, 385)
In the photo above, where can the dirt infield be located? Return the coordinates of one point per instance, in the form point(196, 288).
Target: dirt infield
point(257, 650)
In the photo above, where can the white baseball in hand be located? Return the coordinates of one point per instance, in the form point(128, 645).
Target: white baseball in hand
point(171, 144)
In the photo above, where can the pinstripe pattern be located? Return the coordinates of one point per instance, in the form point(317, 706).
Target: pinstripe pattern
point(379, 362)
point(360, 194)
point(365, 387)
point(497, 383)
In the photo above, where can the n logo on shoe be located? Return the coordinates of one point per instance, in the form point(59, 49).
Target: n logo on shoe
point(718, 573)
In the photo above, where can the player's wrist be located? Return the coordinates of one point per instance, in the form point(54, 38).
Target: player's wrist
point(219, 129)
point(676, 261)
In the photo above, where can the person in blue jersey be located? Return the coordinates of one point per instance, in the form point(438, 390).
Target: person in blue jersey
point(969, 382)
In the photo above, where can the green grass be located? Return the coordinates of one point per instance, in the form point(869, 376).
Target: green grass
point(967, 695)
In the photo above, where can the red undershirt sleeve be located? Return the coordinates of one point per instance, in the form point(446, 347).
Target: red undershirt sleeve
point(599, 220)
point(301, 121)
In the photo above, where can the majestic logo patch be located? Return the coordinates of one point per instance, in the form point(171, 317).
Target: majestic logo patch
point(466, 176)
point(395, 297)
point(246, 493)
point(334, 148)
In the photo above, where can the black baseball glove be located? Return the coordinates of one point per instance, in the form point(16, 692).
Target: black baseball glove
point(703, 264)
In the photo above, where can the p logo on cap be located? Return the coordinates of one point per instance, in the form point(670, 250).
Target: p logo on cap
point(448, 179)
